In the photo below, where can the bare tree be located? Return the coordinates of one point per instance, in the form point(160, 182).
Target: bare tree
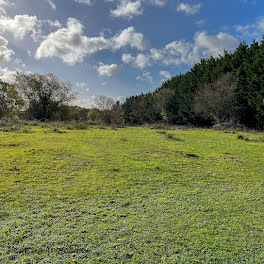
point(110, 110)
point(216, 100)
point(103, 102)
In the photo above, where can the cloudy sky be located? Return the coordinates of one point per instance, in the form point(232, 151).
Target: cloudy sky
point(120, 48)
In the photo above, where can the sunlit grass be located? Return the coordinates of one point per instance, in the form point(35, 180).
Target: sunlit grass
point(66, 196)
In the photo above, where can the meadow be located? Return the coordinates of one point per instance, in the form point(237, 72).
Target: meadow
point(131, 195)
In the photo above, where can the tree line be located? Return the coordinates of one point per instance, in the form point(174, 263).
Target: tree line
point(46, 98)
point(225, 89)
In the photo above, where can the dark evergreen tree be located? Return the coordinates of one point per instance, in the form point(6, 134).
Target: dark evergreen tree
point(246, 63)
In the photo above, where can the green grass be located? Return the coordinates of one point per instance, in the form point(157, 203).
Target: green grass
point(71, 197)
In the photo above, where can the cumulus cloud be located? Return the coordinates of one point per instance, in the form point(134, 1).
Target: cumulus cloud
point(18, 26)
point(89, 102)
point(84, 102)
point(188, 9)
point(128, 9)
point(7, 75)
point(82, 88)
point(5, 53)
point(145, 77)
point(142, 61)
point(204, 45)
point(86, 2)
point(21, 25)
point(254, 30)
point(159, 2)
point(165, 74)
point(81, 84)
point(107, 70)
point(127, 58)
point(129, 37)
point(43, 28)
point(180, 52)
point(3, 4)
point(71, 45)
point(214, 45)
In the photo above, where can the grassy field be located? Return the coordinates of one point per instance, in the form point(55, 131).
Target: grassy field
point(131, 195)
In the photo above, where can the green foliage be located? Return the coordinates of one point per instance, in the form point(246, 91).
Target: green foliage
point(141, 109)
point(45, 96)
point(10, 101)
point(246, 63)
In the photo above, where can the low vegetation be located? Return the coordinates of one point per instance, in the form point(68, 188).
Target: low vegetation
point(131, 195)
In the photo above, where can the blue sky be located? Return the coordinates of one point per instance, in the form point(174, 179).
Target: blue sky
point(120, 48)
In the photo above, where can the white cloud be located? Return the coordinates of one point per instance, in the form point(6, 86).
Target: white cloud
point(6, 3)
point(107, 70)
point(254, 30)
point(84, 102)
point(179, 52)
point(159, 2)
point(165, 74)
point(200, 22)
point(82, 88)
point(43, 28)
point(52, 5)
point(129, 37)
point(19, 26)
point(127, 58)
point(81, 84)
point(179, 49)
point(86, 2)
point(214, 45)
point(128, 9)
point(2, 11)
point(156, 55)
point(142, 61)
point(3, 4)
point(188, 9)
point(145, 77)
point(5, 53)
point(90, 101)
point(71, 45)
point(51, 23)
point(174, 53)
point(7, 75)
